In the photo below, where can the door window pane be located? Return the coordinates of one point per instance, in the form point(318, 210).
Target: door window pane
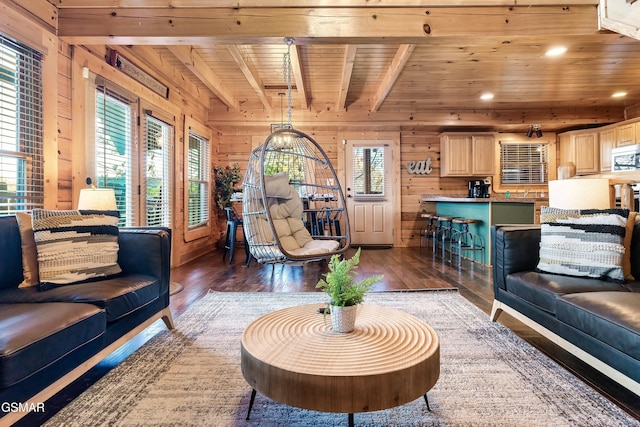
point(368, 171)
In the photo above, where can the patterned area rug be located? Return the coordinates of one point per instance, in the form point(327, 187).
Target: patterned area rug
point(192, 377)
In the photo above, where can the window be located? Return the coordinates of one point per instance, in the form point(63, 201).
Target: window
point(158, 136)
point(21, 128)
point(198, 181)
point(114, 155)
point(524, 163)
point(368, 171)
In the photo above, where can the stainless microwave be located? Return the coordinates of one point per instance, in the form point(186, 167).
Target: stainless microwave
point(625, 158)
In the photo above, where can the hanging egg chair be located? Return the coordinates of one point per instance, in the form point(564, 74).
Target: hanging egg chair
point(293, 207)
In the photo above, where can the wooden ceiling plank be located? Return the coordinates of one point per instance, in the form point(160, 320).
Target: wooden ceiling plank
point(194, 62)
point(298, 76)
point(203, 26)
point(304, 3)
point(251, 74)
point(398, 63)
point(347, 70)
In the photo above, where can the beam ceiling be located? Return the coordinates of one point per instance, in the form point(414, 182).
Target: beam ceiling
point(357, 64)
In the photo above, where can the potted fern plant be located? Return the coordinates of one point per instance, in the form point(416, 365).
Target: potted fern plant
point(345, 292)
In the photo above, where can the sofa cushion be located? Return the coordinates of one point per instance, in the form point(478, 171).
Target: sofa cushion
point(543, 290)
point(610, 317)
point(74, 246)
point(585, 243)
point(119, 296)
point(32, 336)
point(29, 252)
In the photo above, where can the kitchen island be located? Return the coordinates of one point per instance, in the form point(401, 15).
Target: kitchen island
point(491, 211)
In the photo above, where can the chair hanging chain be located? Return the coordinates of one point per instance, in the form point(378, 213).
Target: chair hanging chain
point(286, 74)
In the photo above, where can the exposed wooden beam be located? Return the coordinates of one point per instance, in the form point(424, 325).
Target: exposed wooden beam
point(298, 75)
point(251, 74)
point(550, 118)
point(347, 69)
point(194, 62)
point(401, 58)
point(151, 58)
point(348, 25)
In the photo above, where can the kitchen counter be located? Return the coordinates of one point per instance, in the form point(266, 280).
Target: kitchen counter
point(489, 211)
point(462, 199)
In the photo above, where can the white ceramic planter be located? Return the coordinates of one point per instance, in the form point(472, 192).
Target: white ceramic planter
point(343, 319)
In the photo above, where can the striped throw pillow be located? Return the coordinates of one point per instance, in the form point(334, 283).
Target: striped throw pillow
point(74, 246)
point(584, 243)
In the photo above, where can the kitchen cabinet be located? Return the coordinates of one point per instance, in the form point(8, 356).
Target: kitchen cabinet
point(582, 149)
point(586, 153)
point(625, 134)
point(467, 155)
point(607, 139)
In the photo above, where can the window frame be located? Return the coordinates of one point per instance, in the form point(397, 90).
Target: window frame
point(204, 230)
point(147, 110)
point(549, 139)
point(29, 146)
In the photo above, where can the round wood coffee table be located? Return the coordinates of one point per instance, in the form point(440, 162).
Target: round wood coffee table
point(294, 357)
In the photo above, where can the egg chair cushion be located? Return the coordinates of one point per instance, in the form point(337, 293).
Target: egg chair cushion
point(277, 185)
point(286, 215)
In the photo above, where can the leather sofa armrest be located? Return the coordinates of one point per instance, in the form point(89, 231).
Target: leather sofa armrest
point(514, 249)
point(146, 250)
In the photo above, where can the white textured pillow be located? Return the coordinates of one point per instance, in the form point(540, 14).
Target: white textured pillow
point(584, 243)
point(74, 246)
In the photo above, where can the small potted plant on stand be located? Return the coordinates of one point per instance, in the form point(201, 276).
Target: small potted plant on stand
point(226, 178)
point(344, 291)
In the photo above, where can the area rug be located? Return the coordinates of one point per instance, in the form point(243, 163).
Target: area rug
point(192, 377)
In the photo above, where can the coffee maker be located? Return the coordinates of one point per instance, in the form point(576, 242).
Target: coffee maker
point(478, 188)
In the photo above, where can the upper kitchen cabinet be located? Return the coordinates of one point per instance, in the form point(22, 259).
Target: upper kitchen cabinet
point(466, 154)
point(625, 134)
point(581, 148)
point(607, 138)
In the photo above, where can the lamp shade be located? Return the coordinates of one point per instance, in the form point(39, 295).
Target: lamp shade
point(579, 193)
point(97, 199)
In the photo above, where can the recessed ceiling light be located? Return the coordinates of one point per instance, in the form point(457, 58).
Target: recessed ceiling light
point(619, 94)
point(555, 51)
point(486, 96)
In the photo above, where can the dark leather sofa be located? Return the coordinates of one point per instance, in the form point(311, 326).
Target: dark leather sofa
point(49, 338)
point(597, 321)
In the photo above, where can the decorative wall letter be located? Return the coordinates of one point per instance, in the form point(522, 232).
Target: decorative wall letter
point(421, 167)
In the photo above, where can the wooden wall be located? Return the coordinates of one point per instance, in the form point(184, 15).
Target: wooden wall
point(413, 146)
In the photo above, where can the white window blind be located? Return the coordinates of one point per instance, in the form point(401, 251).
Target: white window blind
point(157, 155)
point(368, 171)
point(21, 118)
point(524, 163)
point(115, 153)
point(199, 181)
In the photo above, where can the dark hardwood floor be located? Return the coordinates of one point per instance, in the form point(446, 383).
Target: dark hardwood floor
point(403, 269)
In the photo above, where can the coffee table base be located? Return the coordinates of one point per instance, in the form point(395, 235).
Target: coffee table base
point(253, 398)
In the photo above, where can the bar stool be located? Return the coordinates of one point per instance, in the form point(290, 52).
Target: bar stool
point(444, 225)
point(233, 222)
point(464, 240)
point(428, 233)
